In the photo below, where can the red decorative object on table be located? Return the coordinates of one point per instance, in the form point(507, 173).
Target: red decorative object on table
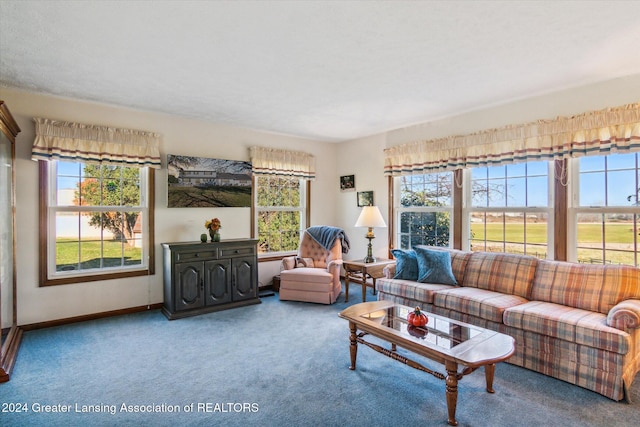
point(417, 318)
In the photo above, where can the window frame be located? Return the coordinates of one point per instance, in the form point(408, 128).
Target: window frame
point(397, 209)
point(575, 209)
point(468, 209)
point(47, 186)
point(305, 217)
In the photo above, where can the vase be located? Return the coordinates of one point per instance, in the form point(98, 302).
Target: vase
point(203, 238)
point(215, 235)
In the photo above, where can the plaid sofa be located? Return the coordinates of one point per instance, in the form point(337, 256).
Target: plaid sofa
point(576, 322)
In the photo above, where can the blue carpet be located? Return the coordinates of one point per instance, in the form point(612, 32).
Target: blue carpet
point(276, 363)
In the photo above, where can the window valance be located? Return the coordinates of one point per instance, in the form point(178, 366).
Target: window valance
point(614, 130)
point(272, 161)
point(60, 140)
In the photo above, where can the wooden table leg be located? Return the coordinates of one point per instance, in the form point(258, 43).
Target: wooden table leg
point(452, 391)
point(489, 371)
point(346, 286)
point(353, 345)
point(364, 287)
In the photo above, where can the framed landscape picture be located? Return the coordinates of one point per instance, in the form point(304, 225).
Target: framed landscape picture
point(365, 198)
point(200, 182)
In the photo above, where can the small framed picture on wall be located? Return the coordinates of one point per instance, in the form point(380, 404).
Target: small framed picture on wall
point(365, 198)
point(347, 182)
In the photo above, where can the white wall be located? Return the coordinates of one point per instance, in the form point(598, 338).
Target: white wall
point(364, 157)
point(613, 93)
point(180, 136)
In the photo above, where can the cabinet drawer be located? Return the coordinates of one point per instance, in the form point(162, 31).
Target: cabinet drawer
point(191, 256)
point(229, 252)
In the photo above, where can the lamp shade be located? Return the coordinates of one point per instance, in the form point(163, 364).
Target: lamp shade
point(370, 217)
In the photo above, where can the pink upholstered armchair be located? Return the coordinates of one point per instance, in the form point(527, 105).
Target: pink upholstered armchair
point(313, 275)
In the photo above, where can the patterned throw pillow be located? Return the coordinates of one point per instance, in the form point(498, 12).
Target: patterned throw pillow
point(434, 267)
point(406, 264)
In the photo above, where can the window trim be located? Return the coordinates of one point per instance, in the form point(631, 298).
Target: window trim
point(562, 180)
point(468, 208)
point(461, 210)
point(277, 256)
point(395, 210)
point(43, 240)
point(574, 209)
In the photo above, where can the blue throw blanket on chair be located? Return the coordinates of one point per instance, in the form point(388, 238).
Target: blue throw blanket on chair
point(326, 236)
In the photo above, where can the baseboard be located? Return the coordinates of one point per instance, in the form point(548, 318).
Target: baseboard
point(86, 317)
point(264, 292)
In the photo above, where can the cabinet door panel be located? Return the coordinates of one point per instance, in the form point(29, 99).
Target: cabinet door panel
point(189, 283)
point(245, 276)
point(217, 281)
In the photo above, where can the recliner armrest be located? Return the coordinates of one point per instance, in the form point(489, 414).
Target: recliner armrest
point(289, 263)
point(336, 263)
point(625, 315)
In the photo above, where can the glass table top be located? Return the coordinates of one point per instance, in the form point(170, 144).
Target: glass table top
point(439, 331)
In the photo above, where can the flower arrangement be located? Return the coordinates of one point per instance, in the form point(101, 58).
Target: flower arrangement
point(213, 224)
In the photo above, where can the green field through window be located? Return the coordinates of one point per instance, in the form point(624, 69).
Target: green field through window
point(618, 249)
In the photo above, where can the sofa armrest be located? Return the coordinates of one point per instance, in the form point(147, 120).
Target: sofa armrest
point(389, 271)
point(625, 315)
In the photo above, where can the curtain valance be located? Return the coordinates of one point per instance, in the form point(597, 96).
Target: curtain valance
point(59, 140)
point(614, 130)
point(272, 161)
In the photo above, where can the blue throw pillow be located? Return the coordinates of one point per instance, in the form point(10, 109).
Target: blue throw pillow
point(406, 264)
point(434, 267)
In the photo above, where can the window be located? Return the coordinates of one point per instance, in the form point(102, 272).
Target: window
point(281, 211)
point(510, 209)
point(97, 220)
point(424, 210)
point(606, 209)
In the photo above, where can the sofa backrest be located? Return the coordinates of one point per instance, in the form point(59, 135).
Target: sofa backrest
point(593, 287)
point(501, 272)
point(459, 260)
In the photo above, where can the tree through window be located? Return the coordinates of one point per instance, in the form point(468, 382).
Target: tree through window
point(281, 213)
point(425, 209)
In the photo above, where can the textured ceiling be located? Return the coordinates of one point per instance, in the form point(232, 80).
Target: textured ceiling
point(324, 70)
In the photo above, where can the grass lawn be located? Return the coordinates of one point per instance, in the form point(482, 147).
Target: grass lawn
point(619, 239)
point(537, 233)
point(67, 257)
point(211, 196)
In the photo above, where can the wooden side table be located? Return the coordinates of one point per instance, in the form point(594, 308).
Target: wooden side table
point(358, 271)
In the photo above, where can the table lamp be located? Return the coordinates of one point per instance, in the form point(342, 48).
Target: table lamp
point(370, 217)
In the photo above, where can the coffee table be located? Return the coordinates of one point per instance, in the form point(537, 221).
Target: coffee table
point(443, 340)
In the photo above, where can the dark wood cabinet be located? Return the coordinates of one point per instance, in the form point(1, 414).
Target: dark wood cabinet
point(205, 277)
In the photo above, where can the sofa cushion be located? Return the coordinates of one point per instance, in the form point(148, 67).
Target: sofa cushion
point(587, 286)
point(410, 289)
point(459, 260)
point(500, 272)
point(434, 267)
point(476, 302)
point(406, 264)
point(566, 323)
